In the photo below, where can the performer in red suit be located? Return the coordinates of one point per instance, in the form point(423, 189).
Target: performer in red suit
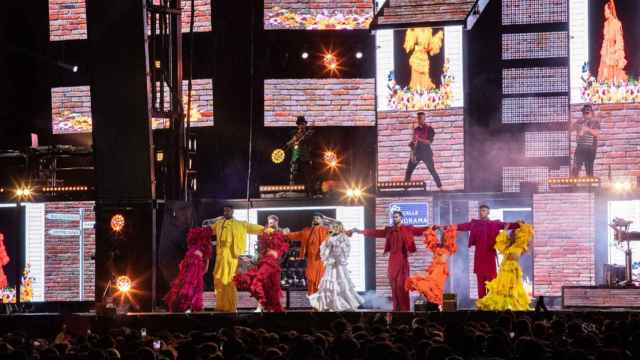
point(482, 235)
point(186, 290)
point(399, 243)
point(263, 281)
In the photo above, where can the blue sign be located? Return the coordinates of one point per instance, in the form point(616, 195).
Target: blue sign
point(413, 213)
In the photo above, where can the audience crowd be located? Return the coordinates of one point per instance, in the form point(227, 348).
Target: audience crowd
point(505, 336)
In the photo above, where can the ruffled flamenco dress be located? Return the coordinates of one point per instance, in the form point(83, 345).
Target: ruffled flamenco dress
point(430, 283)
point(263, 281)
point(336, 291)
point(506, 291)
point(4, 260)
point(188, 287)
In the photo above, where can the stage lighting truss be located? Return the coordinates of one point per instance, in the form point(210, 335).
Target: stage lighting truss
point(568, 182)
point(401, 185)
point(265, 189)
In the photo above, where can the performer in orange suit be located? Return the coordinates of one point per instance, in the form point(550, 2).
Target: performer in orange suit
point(612, 59)
point(431, 283)
point(311, 238)
point(4, 260)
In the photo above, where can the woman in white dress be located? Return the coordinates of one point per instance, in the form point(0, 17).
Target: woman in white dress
point(336, 291)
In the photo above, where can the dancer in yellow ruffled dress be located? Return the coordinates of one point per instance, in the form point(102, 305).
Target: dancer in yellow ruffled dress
point(506, 291)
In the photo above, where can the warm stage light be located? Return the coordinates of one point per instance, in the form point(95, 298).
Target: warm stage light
point(350, 193)
point(123, 284)
point(277, 156)
point(357, 192)
point(117, 222)
point(304, 55)
point(23, 192)
point(359, 55)
point(330, 158)
point(330, 62)
point(157, 64)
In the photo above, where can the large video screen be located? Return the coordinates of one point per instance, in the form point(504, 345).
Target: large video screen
point(421, 70)
point(605, 62)
point(58, 251)
point(317, 14)
point(68, 18)
point(71, 107)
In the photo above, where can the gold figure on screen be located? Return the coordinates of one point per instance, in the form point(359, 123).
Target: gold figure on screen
point(421, 43)
point(612, 58)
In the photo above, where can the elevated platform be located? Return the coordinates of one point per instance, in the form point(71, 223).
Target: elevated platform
point(591, 297)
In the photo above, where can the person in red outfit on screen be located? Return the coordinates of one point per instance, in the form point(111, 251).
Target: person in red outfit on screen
point(399, 243)
point(482, 235)
point(4, 260)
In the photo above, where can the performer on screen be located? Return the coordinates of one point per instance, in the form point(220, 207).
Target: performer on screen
point(399, 242)
point(263, 281)
point(431, 283)
point(421, 150)
point(421, 43)
point(187, 289)
point(231, 237)
point(311, 239)
point(506, 291)
point(482, 235)
point(301, 166)
point(612, 57)
point(4, 260)
point(587, 132)
point(336, 291)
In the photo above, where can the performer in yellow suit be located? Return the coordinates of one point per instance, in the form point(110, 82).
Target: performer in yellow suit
point(231, 235)
point(612, 58)
point(423, 44)
point(506, 291)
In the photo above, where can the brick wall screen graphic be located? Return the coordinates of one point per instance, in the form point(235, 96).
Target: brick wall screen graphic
point(69, 248)
point(563, 247)
point(618, 151)
point(71, 110)
point(395, 131)
point(324, 102)
point(317, 14)
point(201, 103)
point(68, 18)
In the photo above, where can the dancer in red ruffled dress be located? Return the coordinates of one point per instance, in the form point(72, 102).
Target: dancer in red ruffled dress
point(263, 281)
point(4, 260)
point(186, 290)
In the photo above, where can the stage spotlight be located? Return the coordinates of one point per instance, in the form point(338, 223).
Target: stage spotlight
point(359, 55)
point(277, 156)
point(350, 193)
point(123, 283)
point(23, 193)
point(330, 62)
point(304, 55)
point(117, 223)
point(354, 193)
point(73, 68)
point(330, 158)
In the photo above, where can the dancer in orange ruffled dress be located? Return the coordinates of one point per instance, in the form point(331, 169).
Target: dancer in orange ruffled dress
point(431, 283)
point(4, 260)
point(612, 57)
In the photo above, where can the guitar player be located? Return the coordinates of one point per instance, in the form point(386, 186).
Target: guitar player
point(421, 150)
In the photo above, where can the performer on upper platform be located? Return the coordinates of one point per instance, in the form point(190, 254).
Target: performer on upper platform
point(587, 133)
point(399, 243)
point(311, 239)
point(482, 235)
point(188, 287)
point(612, 57)
point(506, 291)
point(301, 165)
point(336, 291)
point(231, 236)
point(263, 281)
point(420, 146)
point(431, 283)
point(4, 260)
